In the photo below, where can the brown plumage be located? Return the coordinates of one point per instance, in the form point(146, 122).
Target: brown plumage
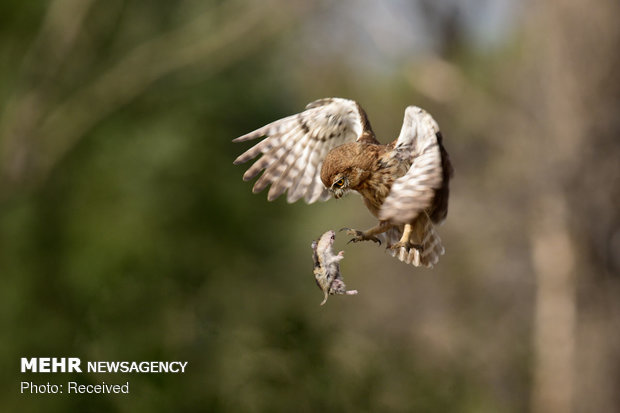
point(367, 168)
point(330, 149)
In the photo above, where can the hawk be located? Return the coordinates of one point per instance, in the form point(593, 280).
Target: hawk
point(330, 149)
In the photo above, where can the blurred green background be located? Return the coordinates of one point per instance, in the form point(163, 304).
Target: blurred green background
point(127, 234)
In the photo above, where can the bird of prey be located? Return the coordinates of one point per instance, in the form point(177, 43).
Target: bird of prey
point(330, 149)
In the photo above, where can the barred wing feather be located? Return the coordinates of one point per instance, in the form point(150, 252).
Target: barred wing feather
point(413, 192)
point(294, 148)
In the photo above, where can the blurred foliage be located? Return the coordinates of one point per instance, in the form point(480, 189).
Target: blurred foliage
point(127, 234)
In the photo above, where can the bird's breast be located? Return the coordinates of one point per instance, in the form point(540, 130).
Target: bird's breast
point(376, 188)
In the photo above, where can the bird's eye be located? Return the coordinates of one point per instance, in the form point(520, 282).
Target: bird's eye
point(339, 183)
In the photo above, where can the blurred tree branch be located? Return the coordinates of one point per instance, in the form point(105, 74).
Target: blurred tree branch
point(36, 134)
point(570, 70)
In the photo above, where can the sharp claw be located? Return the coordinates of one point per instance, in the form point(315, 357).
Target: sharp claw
point(360, 236)
point(373, 239)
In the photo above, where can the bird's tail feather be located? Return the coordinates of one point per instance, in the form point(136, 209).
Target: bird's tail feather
point(423, 235)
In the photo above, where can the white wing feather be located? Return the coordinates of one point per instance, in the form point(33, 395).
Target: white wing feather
point(413, 192)
point(294, 148)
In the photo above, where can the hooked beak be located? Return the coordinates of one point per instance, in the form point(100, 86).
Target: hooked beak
point(337, 193)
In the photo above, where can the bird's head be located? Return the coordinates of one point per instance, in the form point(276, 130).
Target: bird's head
point(344, 168)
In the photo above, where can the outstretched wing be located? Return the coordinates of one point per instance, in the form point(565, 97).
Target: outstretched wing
point(418, 143)
point(295, 147)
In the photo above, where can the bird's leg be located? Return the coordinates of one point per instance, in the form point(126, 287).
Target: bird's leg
point(405, 240)
point(370, 234)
